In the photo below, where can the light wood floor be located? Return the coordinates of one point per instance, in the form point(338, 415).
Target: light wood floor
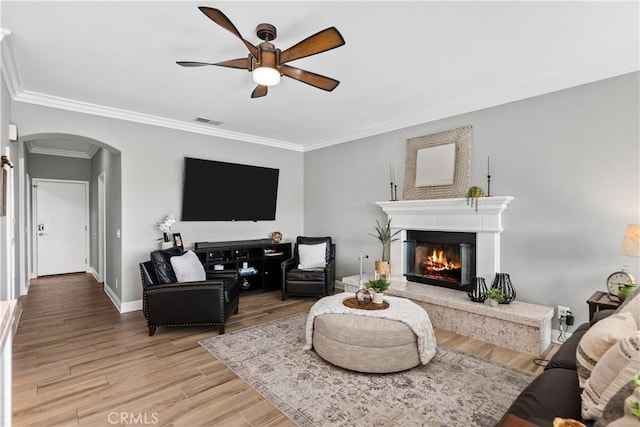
point(77, 361)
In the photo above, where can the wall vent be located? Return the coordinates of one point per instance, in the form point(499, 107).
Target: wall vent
point(208, 121)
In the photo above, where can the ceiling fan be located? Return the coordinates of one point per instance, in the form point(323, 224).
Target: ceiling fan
point(267, 63)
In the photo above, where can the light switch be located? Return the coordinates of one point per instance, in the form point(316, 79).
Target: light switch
point(118, 233)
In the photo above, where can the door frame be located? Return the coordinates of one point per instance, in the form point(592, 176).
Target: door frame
point(102, 228)
point(34, 218)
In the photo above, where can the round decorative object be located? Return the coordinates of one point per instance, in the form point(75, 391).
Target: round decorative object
point(478, 290)
point(276, 236)
point(502, 281)
point(617, 280)
point(363, 296)
point(626, 290)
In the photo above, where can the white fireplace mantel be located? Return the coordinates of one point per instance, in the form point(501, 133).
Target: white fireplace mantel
point(447, 214)
point(450, 215)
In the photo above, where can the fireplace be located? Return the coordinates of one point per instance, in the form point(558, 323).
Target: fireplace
point(440, 258)
point(448, 216)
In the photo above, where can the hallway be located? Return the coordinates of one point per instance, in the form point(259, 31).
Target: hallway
point(77, 361)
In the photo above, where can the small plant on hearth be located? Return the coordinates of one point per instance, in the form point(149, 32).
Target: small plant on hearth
point(495, 294)
point(378, 285)
point(384, 236)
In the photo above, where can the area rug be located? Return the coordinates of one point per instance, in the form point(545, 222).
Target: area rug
point(454, 389)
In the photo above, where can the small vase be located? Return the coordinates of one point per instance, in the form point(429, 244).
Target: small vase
point(382, 268)
point(478, 290)
point(492, 302)
point(502, 281)
point(377, 297)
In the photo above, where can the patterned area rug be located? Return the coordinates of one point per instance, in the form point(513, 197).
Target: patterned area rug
point(454, 389)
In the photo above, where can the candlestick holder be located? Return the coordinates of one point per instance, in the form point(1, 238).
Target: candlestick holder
point(395, 192)
point(391, 189)
point(488, 186)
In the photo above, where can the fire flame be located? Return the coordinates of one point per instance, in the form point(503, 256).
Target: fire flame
point(438, 262)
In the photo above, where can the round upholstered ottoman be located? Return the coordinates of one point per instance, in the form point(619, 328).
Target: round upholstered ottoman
point(365, 344)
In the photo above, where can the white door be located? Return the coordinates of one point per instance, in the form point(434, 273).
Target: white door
point(61, 226)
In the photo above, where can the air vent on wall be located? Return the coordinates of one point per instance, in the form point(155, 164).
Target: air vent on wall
point(208, 121)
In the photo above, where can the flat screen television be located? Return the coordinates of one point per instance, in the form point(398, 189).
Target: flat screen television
point(220, 191)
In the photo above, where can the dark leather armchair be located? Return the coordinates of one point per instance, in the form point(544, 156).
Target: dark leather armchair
point(309, 282)
point(169, 303)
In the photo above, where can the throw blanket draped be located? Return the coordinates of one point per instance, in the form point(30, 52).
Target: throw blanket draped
point(400, 309)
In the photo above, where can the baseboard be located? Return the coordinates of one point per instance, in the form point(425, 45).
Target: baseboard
point(123, 307)
point(95, 274)
point(555, 335)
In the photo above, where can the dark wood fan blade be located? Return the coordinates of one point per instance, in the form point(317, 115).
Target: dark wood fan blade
point(327, 39)
point(313, 79)
point(242, 63)
point(221, 19)
point(193, 64)
point(259, 91)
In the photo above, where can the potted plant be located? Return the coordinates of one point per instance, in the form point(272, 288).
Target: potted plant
point(473, 195)
point(494, 296)
point(384, 235)
point(378, 286)
point(165, 228)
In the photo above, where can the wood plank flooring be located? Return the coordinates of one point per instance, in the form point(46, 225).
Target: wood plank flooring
point(77, 361)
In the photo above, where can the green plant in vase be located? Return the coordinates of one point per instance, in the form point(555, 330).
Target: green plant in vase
point(378, 286)
point(473, 195)
point(385, 236)
point(494, 296)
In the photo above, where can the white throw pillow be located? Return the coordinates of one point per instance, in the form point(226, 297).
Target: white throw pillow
point(598, 339)
point(613, 371)
point(188, 267)
point(312, 256)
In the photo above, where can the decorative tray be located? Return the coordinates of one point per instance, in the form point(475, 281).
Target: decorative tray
point(353, 303)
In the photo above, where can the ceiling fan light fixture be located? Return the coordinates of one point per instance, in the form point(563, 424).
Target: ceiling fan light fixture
point(266, 76)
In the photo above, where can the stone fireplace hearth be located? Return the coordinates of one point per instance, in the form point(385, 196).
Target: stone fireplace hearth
point(519, 326)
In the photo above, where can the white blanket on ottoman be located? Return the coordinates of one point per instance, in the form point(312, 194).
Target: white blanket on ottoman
point(400, 309)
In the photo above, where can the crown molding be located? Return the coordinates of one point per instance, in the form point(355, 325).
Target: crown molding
point(93, 149)
point(604, 71)
point(8, 61)
point(132, 116)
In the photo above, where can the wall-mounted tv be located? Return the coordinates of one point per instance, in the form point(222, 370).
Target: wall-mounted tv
point(220, 191)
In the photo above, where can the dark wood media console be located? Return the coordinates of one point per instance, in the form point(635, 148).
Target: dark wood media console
point(256, 262)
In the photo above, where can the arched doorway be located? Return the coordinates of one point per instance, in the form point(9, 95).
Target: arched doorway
point(76, 158)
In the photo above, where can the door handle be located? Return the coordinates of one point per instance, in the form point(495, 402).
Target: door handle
point(42, 234)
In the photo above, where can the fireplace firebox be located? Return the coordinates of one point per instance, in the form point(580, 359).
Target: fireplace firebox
point(440, 258)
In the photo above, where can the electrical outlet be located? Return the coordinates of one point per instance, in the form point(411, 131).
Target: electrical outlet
point(117, 284)
point(563, 311)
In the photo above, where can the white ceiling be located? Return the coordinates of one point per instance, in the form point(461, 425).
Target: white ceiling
point(403, 63)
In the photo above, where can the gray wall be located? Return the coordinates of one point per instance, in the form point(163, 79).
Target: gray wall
point(570, 159)
point(108, 162)
point(59, 167)
point(151, 173)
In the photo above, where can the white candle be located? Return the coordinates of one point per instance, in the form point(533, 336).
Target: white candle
point(394, 175)
point(390, 175)
point(488, 169)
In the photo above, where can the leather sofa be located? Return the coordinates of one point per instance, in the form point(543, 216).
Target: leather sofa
point(555, 392)
point(169, 303)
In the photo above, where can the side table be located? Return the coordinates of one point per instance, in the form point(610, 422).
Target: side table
point(601, 301)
